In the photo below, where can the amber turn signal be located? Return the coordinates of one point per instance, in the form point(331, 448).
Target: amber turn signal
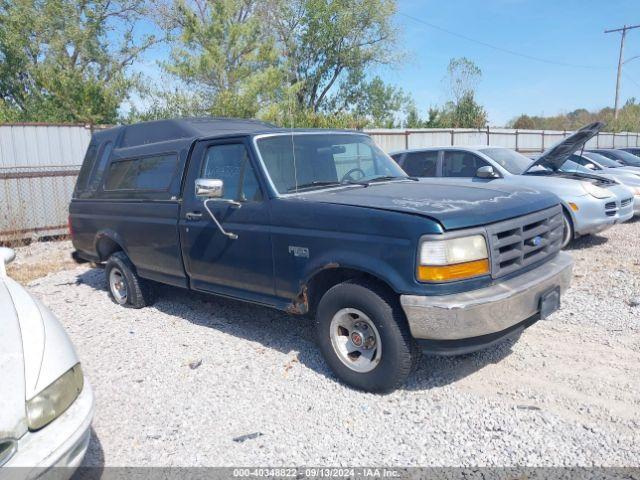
point(573, 206)
point(458, 271)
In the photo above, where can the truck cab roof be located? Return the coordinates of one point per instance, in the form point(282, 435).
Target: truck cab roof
point(189, 130)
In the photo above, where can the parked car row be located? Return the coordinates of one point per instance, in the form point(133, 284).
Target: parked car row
point(594, 196)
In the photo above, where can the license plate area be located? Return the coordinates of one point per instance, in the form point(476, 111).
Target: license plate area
point(549, 302)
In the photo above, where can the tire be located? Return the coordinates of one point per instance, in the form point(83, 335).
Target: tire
point(365, 303)
point(135, 292)
point(567, 234)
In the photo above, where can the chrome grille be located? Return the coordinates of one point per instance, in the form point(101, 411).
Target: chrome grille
point(522, 241)
point(626, 202)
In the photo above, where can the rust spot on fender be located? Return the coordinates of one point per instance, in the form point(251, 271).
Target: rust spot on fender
point(300, 305)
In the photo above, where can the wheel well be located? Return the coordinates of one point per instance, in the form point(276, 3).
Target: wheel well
point(107, 247)
point(322, 281)
point(568, 213)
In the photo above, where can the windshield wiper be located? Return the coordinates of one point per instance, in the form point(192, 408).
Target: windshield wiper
point(315, 183)
point(385, 178)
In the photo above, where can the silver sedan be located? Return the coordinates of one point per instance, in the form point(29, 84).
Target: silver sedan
point(591, 203)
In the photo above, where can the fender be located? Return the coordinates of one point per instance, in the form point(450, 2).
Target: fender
point(112, 235)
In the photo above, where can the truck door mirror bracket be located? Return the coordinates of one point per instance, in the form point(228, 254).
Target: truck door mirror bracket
point(213, 189)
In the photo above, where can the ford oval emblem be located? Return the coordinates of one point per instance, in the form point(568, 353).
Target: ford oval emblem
point(535, 241)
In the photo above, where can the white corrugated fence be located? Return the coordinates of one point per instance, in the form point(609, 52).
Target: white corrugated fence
point(39, 164)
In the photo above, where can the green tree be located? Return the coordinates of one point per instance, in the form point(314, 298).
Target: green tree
point(327, 46)
point(222, 51)
point(463, 78)
point(59, 61)
point(524, 122)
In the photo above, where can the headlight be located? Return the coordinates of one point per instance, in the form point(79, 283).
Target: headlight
point(452, 259)
point(596, 191)
point(50, 403)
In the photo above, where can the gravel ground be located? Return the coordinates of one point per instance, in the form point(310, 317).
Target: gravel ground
point(197, 380)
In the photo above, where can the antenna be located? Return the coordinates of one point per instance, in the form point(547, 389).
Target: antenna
point(293, 146)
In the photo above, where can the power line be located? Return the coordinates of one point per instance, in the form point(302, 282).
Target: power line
point(498, 48)
point(629, 77)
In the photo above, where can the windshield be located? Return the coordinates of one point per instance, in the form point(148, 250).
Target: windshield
point(512, 162)
point(601, 160)
point(572, 167)
point(626, 157)
point(309, 160)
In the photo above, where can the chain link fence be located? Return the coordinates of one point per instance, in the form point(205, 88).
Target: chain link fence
point(35, 201)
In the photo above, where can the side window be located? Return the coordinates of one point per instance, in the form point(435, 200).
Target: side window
point(87, 166)
point(99, 168)
point(579, 160)
point(421, 164)
point(231, 164)
point(147, 173)
point(461, 164)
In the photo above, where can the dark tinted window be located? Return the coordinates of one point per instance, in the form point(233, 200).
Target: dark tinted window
point(87, 166)
point(421, 164)
point(230, 163)
point(461, 164)
point(627, 158)
point(98, 171)
point(148, 173)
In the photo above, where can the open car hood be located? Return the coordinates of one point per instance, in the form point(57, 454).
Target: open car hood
point(554, 157)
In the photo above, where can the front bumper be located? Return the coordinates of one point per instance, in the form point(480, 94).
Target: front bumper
point(592, 216)
point(636, 205)
point(485, 311)
point(62, 443)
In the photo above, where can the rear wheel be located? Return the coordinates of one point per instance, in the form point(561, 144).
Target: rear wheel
point(363, 335)
point(126, 288)
point(567, 234)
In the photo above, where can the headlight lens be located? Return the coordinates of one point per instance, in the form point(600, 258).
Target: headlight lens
point(452, 259)
point(50, 403)
point(596, 191)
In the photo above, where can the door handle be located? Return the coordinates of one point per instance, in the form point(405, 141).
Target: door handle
point(193, 215)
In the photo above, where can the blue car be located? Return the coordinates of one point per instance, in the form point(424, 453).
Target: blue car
point(322, 224)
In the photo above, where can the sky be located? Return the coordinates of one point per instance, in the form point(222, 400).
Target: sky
point(562, 31)
point(578, 67)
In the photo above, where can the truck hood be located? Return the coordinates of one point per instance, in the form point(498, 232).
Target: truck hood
point(35, 352)
point(554, 157)
point(453, 205)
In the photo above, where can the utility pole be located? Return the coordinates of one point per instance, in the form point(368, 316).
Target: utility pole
point(620, 62)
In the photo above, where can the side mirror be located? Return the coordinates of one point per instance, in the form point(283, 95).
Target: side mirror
point(487, 172)
point(590, 166)
point(209, 187)
point(7, 255)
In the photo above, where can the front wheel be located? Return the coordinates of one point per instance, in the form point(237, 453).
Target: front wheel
point(363, 335)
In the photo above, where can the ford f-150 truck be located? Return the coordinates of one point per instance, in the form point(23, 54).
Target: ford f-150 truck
point(321, 223)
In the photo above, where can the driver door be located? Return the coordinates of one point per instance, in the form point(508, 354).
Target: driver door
point(214, 261)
